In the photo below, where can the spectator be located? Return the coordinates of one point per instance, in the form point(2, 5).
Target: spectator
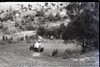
point(51, 37)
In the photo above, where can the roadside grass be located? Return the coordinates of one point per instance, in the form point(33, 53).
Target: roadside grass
point(49, 49)
point(22, 49)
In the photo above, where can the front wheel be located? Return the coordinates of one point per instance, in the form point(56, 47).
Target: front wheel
point(41, 50)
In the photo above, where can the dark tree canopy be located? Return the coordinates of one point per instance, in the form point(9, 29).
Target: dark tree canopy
point(83, 27)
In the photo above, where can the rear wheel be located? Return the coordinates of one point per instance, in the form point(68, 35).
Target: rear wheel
point(30, 47)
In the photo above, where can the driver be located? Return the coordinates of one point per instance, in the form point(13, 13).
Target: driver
point(38, 46)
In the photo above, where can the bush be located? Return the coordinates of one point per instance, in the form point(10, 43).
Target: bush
point(54, 52)
point(41, 31)
point(82, 29)
point(5, 28)
point(16, 24)
point(70, 54)
point(9, 41)
point(1, 26)
point(30, 27)
point(40, 13)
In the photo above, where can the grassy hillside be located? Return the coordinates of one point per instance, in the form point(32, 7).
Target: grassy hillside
point(13, 21)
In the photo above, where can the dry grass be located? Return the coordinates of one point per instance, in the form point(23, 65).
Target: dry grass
point(20, 50)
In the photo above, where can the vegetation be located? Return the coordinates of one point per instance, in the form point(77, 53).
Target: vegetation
point(84, 25)
point(41, 31)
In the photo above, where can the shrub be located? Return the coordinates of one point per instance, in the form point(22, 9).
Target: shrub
point(9, 41)
point(1, 26)
point(30, 27)
point(70, 54)
point(82, 29)
point(54, 52)
point(5, 28)
point(41, 31)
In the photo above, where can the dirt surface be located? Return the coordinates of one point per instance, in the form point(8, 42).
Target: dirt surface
point(19, 55)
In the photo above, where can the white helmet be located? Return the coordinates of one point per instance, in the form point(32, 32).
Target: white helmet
point(38, 41)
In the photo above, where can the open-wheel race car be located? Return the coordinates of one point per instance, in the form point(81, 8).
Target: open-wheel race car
point(40, 49)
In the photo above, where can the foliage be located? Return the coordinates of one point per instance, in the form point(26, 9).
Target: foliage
point(83, 28)
point(7, 17)
point(41, 31)
point(72, 9)
point(1, 26)
point(16, 24)
point(70, 54)
point(30, 27)
point(50, 17)
point(62, 27)
point(40, 13)
point(57, 17)
point(5, 28)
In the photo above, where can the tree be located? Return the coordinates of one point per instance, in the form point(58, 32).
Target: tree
point(41, 31)
point(1, 26)
point(30, 27)
point(62, 27)
point(57, 17)
point(16, 24)
point(73, 9)
point(46, 4)
point(51, 17)
point(29, 6)
point(40, 13)
point(84, 28)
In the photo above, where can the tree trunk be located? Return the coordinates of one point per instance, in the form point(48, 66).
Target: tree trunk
point(84, 46)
